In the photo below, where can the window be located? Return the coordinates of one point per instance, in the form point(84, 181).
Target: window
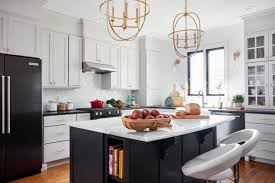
point(206, 72)
point(215, 72)
point(195, 73)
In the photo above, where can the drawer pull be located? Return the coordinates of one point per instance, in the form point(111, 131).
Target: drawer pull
point(59, 151)
point(60, 133)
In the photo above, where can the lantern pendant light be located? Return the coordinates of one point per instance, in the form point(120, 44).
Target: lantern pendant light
point(187, 33)
point(125, 18)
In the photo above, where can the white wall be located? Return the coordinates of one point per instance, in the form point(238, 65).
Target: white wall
point(27, 8)
point(233, 38)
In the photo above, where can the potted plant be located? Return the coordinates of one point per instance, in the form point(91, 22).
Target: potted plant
point(238, 100)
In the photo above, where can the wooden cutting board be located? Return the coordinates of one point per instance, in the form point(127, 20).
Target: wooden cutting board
point(193, 117)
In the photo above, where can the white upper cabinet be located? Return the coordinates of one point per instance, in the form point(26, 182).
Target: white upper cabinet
point(75, 61)
point(54, 55)
point(152, 70)
point(133, 69)
point(3, 33)
point(272, 45)
point(96, 51)
point(19, 36)
point(60, 58)
point(22, 37)
point(46, 50)
point(123, 68)
point(257, 85)
point(257, 47)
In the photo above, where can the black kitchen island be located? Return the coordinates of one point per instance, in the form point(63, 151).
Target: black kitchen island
point(149, 157)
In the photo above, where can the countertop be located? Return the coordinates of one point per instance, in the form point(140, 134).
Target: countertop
point(256, 111)
point(114, 126)
point(46, 113)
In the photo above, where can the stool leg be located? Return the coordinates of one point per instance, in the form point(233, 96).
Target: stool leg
point(235, 171)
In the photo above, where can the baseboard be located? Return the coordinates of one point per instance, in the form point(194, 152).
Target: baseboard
point(48, 165)
point(271, 162)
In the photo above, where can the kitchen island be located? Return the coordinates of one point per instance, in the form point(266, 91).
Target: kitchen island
point(148, 157)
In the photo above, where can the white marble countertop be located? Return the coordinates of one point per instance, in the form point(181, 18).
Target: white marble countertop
point(114, 126)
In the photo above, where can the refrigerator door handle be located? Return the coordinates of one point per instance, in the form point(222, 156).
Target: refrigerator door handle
point(3, 105)
point(9, 104)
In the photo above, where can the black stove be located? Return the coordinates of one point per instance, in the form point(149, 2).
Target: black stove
point(97, 113)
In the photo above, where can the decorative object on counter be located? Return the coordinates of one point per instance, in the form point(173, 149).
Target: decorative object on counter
point(219, 87)
point(238, 101)
point(61, 106)
point(169, 102)
point(187, 32)
point(125, 19)
point(135, 106)
point(69, 106)
point(146, 119)
point(115, 103)
point(97, 104)
point(52, 106)
point(177, 98)
point(133, 100)
point(129, 100)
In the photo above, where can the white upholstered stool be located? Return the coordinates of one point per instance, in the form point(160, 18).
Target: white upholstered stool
point(214, 165)
point(248, 139)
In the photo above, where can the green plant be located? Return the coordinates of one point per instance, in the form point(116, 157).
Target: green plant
point(238, 99)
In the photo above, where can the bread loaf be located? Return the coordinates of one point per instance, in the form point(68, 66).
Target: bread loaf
point(193, 109)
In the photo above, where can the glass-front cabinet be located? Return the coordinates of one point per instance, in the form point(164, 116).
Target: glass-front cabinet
point(257, 85)
point(272, 45)
point(257, 47)
point(272, 84)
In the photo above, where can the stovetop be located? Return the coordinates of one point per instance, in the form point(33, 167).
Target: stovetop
point(97, 113)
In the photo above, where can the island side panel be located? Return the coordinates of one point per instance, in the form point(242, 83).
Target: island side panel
point(86, 156)
point(171, 160)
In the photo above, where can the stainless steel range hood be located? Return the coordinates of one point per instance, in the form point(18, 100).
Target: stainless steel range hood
point(97, 68)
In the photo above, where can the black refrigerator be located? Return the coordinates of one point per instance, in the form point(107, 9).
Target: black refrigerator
point(20, 117)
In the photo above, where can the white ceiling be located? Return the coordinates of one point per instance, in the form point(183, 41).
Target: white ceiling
point(213, 13)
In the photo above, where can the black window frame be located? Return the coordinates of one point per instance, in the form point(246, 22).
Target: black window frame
point(188, 71)
point(207, 71)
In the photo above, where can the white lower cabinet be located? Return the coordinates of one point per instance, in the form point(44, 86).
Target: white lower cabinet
point(265, 124)
point(56, 151)
point(57, 135)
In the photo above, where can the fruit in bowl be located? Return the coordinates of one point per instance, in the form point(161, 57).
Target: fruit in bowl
point(140, 120)
point(115, 103)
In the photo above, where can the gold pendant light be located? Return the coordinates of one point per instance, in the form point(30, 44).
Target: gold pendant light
point(125, 18)
point(187, 32)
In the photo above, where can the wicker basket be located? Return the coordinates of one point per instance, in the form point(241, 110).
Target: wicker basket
point(141, 124)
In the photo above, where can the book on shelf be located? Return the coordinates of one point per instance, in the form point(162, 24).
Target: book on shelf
point(116, 157)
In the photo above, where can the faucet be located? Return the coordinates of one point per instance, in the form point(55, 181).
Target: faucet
point(202, 96)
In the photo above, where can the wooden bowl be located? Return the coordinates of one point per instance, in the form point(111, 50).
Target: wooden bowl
point(117, 105)
point(141, 124)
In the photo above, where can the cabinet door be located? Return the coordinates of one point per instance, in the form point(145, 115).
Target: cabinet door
point(152, 70)
point(22, 37)
point(124, 68)
point(3, 33)
point(133, 69)
point(257, 85)
point(89, 50)
point(114, 58)
point(272, 84)
point(257, 47)
point(75, 60)
point(105, 57)
point(60, 57)
point(46, 49)
point(272, 45)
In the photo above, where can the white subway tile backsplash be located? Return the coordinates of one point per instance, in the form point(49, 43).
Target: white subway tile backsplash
point(91, 89)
